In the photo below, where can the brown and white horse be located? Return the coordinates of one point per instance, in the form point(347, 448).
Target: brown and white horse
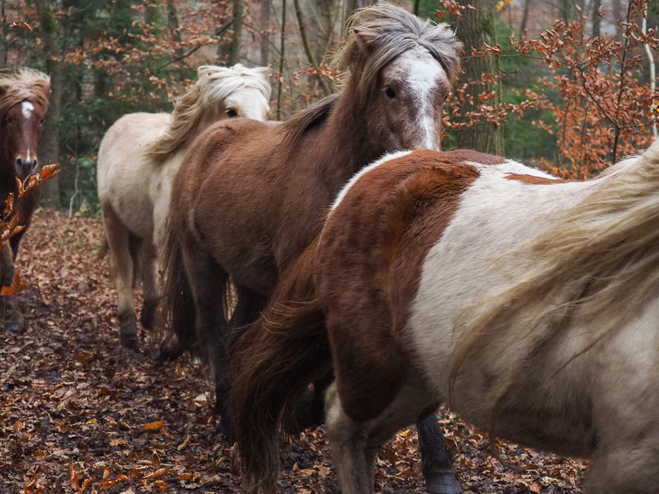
point(23, 104)
point(250, 198)
point(137, 160)
point(529, 304)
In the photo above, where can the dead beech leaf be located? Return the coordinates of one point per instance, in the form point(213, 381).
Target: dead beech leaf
point(153, 426)
point(16, 285)
point(535, 488)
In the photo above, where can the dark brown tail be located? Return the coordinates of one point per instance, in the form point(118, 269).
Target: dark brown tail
point(272, 364)
point(178, 309)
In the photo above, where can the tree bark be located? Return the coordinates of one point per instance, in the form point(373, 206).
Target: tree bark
point(49, 147)
point(265, 32)
point(282, 57)
point(237, 25)
point(474, 28)
point(307, 48)
point(525, 16)
point(3, 36)
point(597, 20)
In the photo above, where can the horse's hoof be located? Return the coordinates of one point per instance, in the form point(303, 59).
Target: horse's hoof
point(170, 349)
point(130, 341)
point(443, 483)
point(17, 327)
point(148, 315)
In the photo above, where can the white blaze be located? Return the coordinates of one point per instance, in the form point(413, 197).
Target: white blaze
point(26, 109)
point(422, 80)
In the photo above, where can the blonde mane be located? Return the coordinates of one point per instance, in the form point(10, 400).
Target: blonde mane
point(600, 258)
point(214, 85)
point(27, 84)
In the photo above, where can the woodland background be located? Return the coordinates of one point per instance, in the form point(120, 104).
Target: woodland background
point(77, 414)
point(564, 84)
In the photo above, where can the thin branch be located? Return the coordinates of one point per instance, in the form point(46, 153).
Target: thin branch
point(217, 34)
point(307, 48)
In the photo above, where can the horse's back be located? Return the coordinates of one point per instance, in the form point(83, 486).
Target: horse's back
point(124, 172)
point(229, 164)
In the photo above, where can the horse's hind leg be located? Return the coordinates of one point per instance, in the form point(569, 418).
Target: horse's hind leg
point(628, 466)
point(436, 464)
point(354, 445)
point(352, 455)
point(122, 266)
point(208, 282)
point(149, 285)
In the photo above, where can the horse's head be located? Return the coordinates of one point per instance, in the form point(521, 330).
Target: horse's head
point(401, 69)
point(23, 104)
point(21, 132)
point(235, 92)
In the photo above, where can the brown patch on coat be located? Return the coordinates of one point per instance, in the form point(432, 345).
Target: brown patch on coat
point(369, 266)
point(534, 180)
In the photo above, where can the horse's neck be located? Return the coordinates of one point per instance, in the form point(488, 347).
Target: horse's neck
point(345, 142)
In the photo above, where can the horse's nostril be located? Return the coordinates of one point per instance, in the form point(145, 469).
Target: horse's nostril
point(19, 161)
point(35, 162)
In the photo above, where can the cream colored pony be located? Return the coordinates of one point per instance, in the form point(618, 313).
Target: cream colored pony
point(137, 161)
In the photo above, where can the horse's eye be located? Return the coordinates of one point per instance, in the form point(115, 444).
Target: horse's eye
point(232, 113)
point(389, 92)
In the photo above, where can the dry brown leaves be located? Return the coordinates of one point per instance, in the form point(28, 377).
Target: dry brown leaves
point(78, 414)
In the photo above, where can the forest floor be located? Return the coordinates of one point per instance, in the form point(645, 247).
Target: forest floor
point(80, 414)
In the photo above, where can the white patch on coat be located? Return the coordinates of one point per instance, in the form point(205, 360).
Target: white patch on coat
point(364, 171)
point(495, 215)
point(423, 79)
point(27, 108)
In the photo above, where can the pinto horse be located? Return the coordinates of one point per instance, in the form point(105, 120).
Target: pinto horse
point(23, 104)
point(527, 303)
point(137, 160)
point(250, 198)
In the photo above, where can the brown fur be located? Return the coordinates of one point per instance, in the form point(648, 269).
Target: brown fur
point(17, 137)
point(380, 248)
point(254, 197)
point(532, 179)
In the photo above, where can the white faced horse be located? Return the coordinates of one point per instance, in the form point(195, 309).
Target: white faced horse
point(137, 161)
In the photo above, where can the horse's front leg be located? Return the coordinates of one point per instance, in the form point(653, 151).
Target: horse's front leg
point(12, 316)
point(150, 285)
point(436, 464)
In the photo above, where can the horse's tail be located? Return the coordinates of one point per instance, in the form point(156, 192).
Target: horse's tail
point(271, 366)
point(178, 310)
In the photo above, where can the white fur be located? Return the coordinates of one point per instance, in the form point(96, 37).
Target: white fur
point(495, 216)
point(26, 109)
point(364, 171)
point(423, 79)
point(134, 192)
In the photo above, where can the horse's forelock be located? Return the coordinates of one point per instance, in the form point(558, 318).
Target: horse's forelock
point(27, 84)
point(378, 34)
point(217, 83)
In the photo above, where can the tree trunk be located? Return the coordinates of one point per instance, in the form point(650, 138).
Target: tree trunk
point(282, 57)
point(474, 28)
point(618, 17)
point(237, 25)
point(307, 48)
point(49, 147)
point(567, 10)
point(3, 36)
point(265, 32)
point(597, 20)
point(525, 16)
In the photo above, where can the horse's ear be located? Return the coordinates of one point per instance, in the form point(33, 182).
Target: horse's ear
point(364, 40)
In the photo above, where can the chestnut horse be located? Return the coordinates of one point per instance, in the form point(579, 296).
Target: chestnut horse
point(528, 304)
point(250, 198)
point(137, 160)
point(23, 104)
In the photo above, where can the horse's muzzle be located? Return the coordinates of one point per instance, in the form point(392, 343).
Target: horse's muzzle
point(25, 166)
